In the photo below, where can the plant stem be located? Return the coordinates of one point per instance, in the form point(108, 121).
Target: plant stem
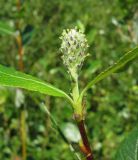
point(85, 147)
point(79, 117)
point(20, 51)
point(18, 5)
point(21, 67)
point(23, 134)
point(22, 114)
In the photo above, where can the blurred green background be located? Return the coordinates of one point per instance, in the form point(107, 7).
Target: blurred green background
point(111, 28)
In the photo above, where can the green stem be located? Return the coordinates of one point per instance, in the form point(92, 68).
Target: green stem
point(75, 90)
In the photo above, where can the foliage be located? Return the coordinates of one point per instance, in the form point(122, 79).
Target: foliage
point(129, 148)
point(12, 78)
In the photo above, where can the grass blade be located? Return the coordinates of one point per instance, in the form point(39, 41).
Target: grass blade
point(6, 29)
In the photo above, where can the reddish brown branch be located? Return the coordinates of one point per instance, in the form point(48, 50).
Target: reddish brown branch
point(22, 116)
point(18, 5)
point(86, 149)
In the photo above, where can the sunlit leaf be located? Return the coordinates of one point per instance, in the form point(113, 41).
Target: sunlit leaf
point(12, 78)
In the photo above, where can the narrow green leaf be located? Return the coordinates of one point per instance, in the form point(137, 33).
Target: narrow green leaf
point(10, 77)
point(59, 129)
point(129, 148)
point(125, 67)
point(6, 29)
point(129, 56)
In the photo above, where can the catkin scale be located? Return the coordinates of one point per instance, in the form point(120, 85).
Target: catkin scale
point(74, 49)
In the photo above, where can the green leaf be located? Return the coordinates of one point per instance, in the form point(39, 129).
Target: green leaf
point(125, 67)
point(61, 131)
point(6, 29)
point(12, 78)
point(129, 56)
point(129, 148)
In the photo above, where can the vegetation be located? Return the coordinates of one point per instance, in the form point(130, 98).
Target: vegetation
point(37, 126)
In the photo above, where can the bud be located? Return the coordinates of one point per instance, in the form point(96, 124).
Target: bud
point(74, 46)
